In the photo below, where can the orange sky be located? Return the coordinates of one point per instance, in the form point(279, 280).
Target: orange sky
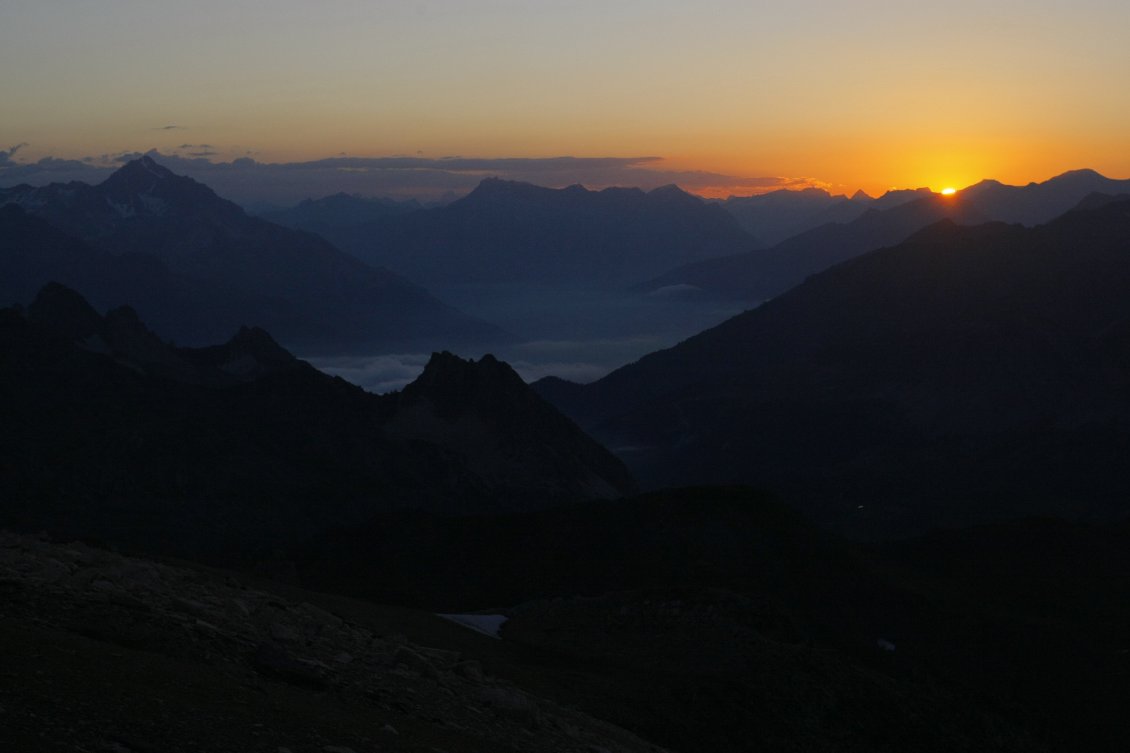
point(869, 94)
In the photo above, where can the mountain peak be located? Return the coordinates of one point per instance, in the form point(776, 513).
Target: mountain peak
point(62, 311)
point(258, 343)
point(669, 190)
point(1083, 177)
point(144, 168)
point(484, 411)
point(455, 385)
point(145, 188)
point(1085, 172)
point(452, 371)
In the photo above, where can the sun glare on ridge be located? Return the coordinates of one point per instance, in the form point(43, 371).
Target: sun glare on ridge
point(949, 191)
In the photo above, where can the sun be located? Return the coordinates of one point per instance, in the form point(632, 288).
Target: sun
point(949, 191)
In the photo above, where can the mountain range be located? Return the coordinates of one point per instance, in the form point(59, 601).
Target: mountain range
point(962, 379)
point(508, 232)
point(777, 215)
point(966, 374)
point(216, 451)
point(757, 275)
point(341, 210)
point(198, 267)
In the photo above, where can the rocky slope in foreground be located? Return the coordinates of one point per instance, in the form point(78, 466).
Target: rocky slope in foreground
point(110, 653)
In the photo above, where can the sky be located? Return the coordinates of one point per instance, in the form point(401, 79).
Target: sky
point(720, 96)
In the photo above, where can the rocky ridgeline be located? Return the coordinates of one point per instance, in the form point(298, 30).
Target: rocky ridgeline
point(111, 653)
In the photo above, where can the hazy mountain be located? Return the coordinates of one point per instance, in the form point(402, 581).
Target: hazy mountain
point(1100, 200)
point(234, 269)
point(966, 374)
point(341, 210)
point(757, 275)
point(110, 432)
point(777, 215)
point(1040, 202)
point(32, 252)
point(508, 232)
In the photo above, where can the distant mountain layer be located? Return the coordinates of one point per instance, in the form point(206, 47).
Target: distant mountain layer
point(110, 432)
point(778, 215)
point(198, 267)
point(757, 275)
point(968, 373)
point(507, 232)
point(1036, 203)
point(862, 224)
point(338, 211)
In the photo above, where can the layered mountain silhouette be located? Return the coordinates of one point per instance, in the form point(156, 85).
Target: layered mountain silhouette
point(761, 274)
point(510, 232)
point(215, 451)
point(777, 215)
point(342, 210)
point(967, 373)
point(214, 267)
point(1036, 203)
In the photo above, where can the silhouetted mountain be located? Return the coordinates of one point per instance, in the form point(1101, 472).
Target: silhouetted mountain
point(231, 269)
point(1040, 202)
point(339, 211)
point(699, 619)
point(757, 275)
point(966, 374)
point(775, 216)
point(216, 451)
point(485, 412)
point(33, 252)
point(1100, 200)
point(506, 232)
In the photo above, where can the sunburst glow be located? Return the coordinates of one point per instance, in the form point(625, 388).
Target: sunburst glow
point(948, 191)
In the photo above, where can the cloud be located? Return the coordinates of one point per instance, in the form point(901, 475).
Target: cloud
point(256, 184)
point(6, 155)
point(251, 182)
point(379, 374)
point(47, 170)
point(386, 373)
point(170, 128)
point(115, 159)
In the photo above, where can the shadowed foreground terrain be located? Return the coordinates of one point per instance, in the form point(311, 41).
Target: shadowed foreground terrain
point(108, 653)
point(709, 619)
point(700, 620)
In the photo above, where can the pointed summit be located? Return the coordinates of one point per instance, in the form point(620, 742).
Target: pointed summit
point(673, 194)
point(136, 176)
point(258, 344)
point(483, 411)
point(453, 383)
point(63, 312)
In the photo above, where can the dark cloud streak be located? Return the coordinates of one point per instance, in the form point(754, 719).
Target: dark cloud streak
point(254, 183)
